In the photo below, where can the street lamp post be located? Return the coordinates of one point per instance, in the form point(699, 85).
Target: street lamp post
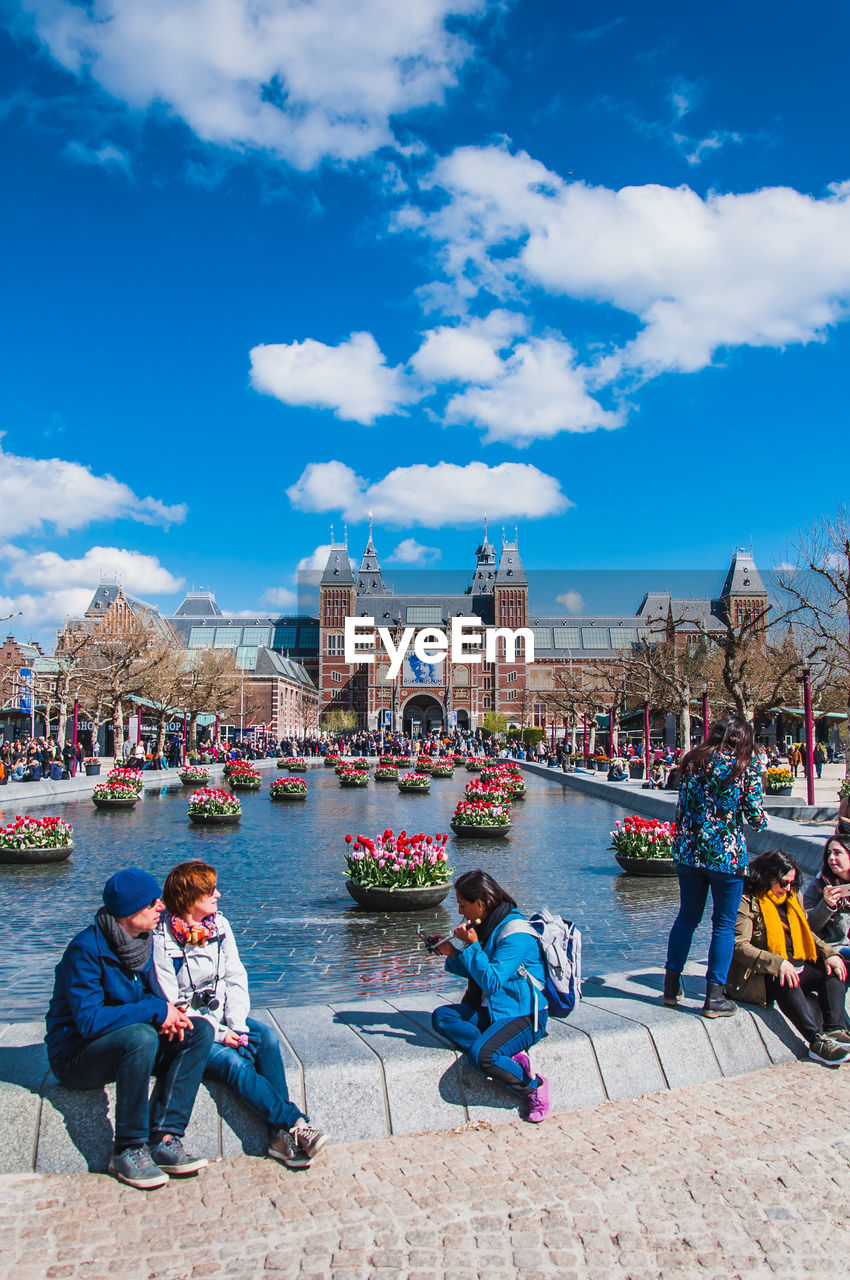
point(76, 721)
point(646, 738)
point(806, 681)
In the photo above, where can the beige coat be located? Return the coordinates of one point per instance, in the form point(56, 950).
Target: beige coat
point(751, 959)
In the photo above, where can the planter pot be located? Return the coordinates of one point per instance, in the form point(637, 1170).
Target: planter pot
point(243, 786)
point(31, 857)
point(381, 899)
point(330, 764)
point(601, 766)
point(635, 770)
point(646, 866)
point(778, 791)
point(391, 778)
point(412, 791)
point(295, 768)
point(110, 802)
point(195, 782)
point(353, 782)
point(472, 831)
point(287, 795)
point(214, 819)
point(92, 770)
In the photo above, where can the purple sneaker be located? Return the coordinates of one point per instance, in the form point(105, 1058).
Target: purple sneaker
point(538, 1102)
point(523, 1060)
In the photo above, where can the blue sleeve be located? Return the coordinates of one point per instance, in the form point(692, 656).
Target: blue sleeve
point(92, 1015)
point(493, 975)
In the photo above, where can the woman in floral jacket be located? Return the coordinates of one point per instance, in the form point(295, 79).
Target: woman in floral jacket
point(720, 788)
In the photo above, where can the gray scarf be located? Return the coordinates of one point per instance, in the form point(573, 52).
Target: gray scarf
point(133, 953)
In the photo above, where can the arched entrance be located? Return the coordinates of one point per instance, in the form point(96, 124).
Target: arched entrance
point(421, 715)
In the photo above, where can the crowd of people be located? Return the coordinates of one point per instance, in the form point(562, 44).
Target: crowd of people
point(38, 758)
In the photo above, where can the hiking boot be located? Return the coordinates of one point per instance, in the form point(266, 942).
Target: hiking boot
point(286, 1149)
point(173, 1158)
point(538, 1101)
point(838, 1034)
point(672, 988)
point(523, 1060)
point(309, 1138)
point(717, 1004)
point(135, 1167)
point(828, 1051)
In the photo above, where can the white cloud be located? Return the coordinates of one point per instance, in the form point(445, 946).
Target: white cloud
point(353, 378)
point(279, 598)
point(302, 81)
point(39, 613)
point(35, 492)
point(431, 496)
point(107, 156)
point(468, 352)
point(139, 574)
point(536, 393)
point(573, 601)
point(409, 551)
point(764, 268)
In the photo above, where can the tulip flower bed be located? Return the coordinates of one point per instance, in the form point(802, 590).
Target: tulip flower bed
point(459, 759)
point(295, 764)
point(245, 779)
point(474, 765)
point(115, 789)
point(481, 813)
point(637, 837)
point(288, 788)
point(779, 778)
point(331, 760)
point(386, 773)
point(36, 833)
point(194, 775)
point(355, 762)
point(414, 782)
point(492, 792)
point(397, 861)
point(352, 776)
point(424, 765)
point(211, 801)
point(388, 762)
point(404, 762)
point(443, 769)
point(129, 777)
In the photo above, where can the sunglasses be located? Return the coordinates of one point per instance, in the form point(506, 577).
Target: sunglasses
point(788, 882)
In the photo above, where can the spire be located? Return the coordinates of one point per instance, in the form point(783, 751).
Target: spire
point(485, 567)
point(337, 571)
point(511, 572)
point(370, 580)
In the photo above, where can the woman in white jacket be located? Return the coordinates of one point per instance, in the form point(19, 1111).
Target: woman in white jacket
point(198, 967)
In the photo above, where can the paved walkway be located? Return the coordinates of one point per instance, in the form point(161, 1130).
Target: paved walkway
point(743, 1178)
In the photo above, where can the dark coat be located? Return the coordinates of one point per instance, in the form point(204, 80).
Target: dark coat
point(751, 960)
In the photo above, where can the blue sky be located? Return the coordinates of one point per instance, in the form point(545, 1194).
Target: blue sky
point(270, 265)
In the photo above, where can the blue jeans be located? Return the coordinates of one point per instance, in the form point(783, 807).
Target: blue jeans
point(130, 1056)
point(261, 1083)
point(490, 1045)
point(726, 890)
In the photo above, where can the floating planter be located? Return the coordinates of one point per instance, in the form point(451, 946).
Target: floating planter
point(114, 794)
point(352, 776)
point(330, 761)
point(481, 819)
point(386, 773)
point(397, 872)
point(413, 783)
point(213, 806)
point(295, 764)
point(194, 776)
point(644, 846)
point(443, 770)
point(128, 777)
point(474, 765)
point(288, 789)
point(245, 779)
point(424, 765)
point(32, 840)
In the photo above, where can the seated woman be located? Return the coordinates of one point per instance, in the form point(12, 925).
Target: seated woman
point(618, 771)
point(198, 966)
point(501, 1014)
point(827, 897)
point(778, 959)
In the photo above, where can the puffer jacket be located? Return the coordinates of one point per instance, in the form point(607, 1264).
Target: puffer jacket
point(751, 960)
point(493, 966)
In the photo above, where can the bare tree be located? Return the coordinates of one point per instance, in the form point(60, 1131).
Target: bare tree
point(211, 683)
point(117, 666)
point(816, 584)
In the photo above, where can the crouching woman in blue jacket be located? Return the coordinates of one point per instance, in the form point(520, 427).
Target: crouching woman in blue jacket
point(504, 1010)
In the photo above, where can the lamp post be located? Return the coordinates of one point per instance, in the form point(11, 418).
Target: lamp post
point(184, 740)
point(806, 681)
point(74, 739)
point(584, 736)
point(611, 733)
point(704, 713)
point(646, 738)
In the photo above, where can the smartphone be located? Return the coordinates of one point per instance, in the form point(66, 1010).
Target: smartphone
point(432, 941)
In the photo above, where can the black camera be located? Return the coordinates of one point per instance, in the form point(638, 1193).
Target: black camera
point(205, 1000)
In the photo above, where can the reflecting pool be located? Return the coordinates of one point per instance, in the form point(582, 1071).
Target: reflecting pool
point(300, 935)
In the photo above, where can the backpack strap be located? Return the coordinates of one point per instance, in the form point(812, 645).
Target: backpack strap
point(522, 926)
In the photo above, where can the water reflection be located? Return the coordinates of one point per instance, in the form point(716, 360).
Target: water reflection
point(280, 873)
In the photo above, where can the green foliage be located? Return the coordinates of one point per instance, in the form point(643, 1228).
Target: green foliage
point(337, 721)
point(494, 722)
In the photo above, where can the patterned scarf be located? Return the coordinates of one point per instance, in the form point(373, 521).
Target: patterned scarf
point(193, 935)
point(802, 942)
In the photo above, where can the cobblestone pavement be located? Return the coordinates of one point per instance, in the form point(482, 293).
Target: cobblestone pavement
point(745, 1178)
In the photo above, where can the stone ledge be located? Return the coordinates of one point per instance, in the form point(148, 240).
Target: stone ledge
point(375, 1068)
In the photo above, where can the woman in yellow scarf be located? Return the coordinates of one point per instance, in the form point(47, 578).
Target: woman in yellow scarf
point(777, 958)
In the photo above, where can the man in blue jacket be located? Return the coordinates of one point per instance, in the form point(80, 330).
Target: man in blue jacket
point(109, 1020)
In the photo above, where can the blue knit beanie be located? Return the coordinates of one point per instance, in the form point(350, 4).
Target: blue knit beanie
point(128, 891)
